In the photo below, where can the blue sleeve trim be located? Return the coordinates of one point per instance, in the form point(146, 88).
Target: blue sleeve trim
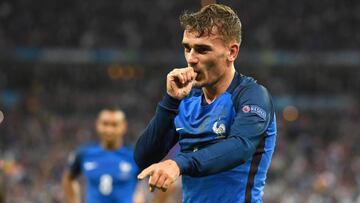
point(74, 163)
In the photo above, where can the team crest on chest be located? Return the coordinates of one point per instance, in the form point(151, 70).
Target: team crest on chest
point(219, 128)
point(124, 167)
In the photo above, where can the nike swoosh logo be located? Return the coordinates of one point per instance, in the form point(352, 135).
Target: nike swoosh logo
point(178, 129)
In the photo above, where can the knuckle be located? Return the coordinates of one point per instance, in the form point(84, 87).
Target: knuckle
point(158, 172)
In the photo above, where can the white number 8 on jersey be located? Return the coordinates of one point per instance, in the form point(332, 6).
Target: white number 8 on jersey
point(105, 186)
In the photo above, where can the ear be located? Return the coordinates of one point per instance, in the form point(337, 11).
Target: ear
point(125, 126)
point(233, 51)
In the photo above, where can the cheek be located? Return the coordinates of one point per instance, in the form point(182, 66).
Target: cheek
point(214, 66)
point(99, 128)
point(186, 56)
point(119, 130)
point(210, 62)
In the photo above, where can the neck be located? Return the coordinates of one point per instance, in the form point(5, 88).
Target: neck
point(112, 145)
point(211, 92)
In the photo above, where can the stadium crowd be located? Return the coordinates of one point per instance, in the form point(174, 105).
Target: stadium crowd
point(153, 25)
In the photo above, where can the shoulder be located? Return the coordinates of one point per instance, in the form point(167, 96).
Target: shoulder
point(127, 153)
point(249, 92)
point(127, 149)
point(77, 156)
point(248, 87)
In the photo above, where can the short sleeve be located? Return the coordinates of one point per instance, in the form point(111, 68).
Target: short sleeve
point(74, 164)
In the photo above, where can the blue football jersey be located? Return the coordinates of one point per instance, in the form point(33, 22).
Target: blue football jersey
point(110, 176)
point(200, 124)
point(226, 146)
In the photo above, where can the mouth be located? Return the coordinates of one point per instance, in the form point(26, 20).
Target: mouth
point(197, 77)
point(197, 74)
point(108, 137)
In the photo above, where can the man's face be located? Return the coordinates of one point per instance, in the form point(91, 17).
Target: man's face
point(207, 55)
point(110, 125)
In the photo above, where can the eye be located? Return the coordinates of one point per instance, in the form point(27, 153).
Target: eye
point(202, 50)
point(187, 49)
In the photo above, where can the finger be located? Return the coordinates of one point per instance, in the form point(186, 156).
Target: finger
point(186, 76)
point(182, 78)
point(166, 184)
point(160, 181)
point(173, 74)
point(189, 76)
point(189, 68)
point(154, 179)
point(187, 88)
point(191, 73)
point(195, 75)
point(146, 172)
point(151, 187)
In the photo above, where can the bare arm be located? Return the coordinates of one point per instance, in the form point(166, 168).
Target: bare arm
point(71, 188)
point(139, 196)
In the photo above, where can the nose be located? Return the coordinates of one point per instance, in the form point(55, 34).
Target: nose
point(108, 130)
point(192, 58)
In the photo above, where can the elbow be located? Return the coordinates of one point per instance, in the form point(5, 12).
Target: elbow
point(140, 157)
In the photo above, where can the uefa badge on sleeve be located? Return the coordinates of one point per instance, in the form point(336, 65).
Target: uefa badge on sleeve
point(246, 109)
point(255, 110)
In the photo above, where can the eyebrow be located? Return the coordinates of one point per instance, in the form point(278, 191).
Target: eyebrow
point(198, 46)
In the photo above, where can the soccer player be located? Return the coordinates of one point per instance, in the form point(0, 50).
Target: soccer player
point(224, 121)
point(108, 167)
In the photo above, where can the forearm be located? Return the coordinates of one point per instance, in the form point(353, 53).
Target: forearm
point(159, 136)
point(71, 189)
point(139, 194)
point(216, 158)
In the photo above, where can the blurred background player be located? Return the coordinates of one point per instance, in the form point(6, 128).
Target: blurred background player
point(109, 169)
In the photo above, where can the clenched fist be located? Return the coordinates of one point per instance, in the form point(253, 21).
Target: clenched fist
point(180, 81)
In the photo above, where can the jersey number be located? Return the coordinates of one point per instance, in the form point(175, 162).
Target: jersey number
point(105, 185)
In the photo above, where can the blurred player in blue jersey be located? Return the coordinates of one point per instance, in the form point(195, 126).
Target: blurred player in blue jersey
point(224, 121)
point(108, 167)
